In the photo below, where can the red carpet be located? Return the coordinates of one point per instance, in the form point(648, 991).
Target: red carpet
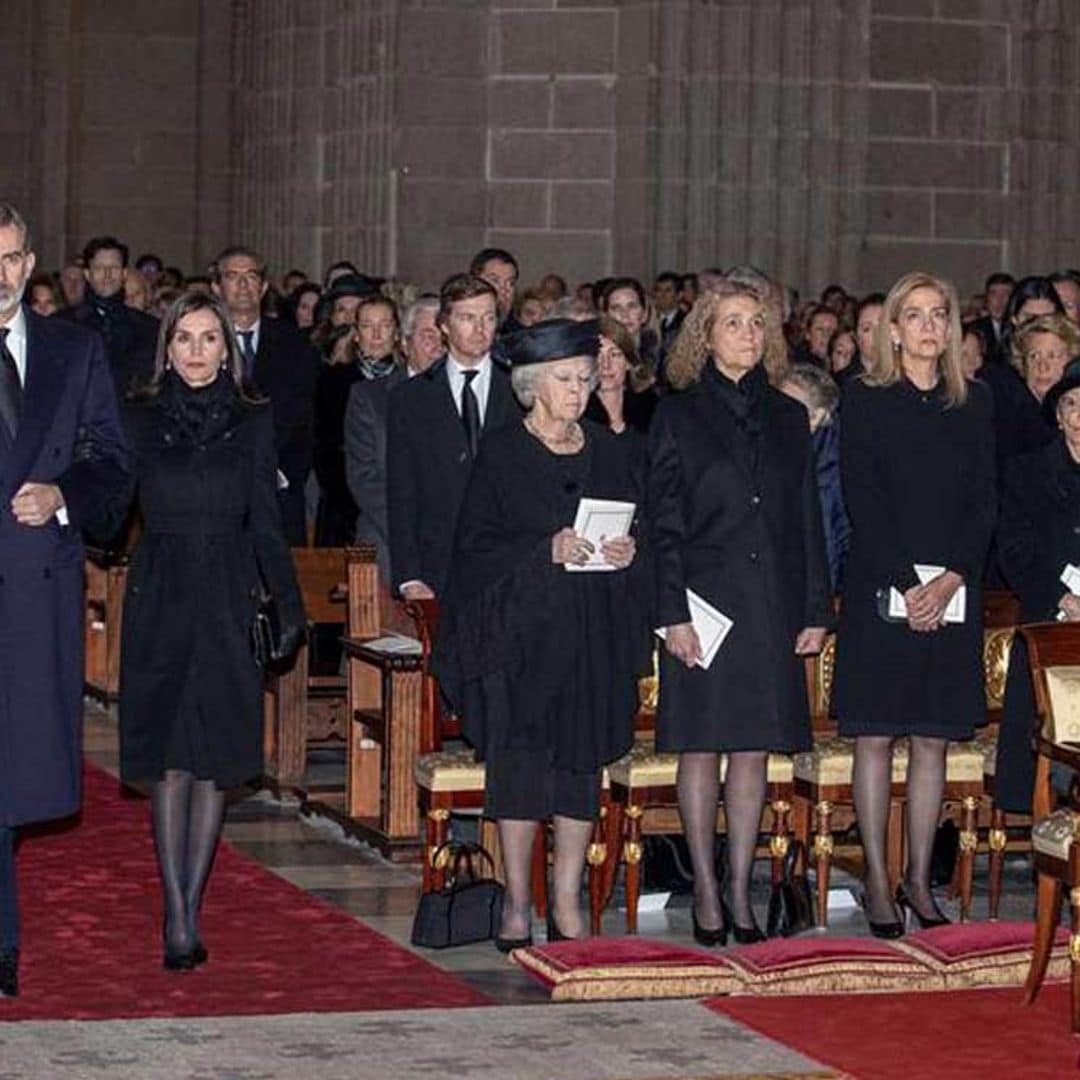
point(92, 934)
point(989, 1034)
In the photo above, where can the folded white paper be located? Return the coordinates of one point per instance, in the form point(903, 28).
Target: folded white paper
point(598, 520)
point(712, 627)
point(1070, 578)
point(395, 645)
point(956, 610)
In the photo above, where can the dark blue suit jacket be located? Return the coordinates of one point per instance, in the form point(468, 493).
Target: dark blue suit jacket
point(69, 435)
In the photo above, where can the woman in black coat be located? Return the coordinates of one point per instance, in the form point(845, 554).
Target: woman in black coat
point(1038, 537)
point(541, 662)
point(190, 689)
point(917, 462)
point(373, 354)
point(734, 515)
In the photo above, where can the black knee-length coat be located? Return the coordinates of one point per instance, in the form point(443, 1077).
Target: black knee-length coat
point(734, 514)
point(920, 487)
point(206, 471)
point(1038, 535)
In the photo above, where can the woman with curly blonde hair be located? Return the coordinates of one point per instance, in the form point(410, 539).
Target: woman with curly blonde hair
point(734, 516)
point(688, 354)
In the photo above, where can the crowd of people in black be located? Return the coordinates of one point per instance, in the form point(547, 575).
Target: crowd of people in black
point(866, 464)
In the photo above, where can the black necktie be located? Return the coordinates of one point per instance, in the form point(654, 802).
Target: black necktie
point(248, 347)
point(10, 387)
point(470, 413)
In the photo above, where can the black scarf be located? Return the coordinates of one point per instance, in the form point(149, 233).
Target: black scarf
point(743, 400)
point(202, 411)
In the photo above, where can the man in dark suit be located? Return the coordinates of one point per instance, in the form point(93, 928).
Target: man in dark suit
point(130, 336)
point(434, 425)
point(669, 315)
point(64, 466)
point(281, 364)
point(999, 287)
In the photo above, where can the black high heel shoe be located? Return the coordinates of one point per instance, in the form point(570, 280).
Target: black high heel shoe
point(709, 938)
point(553, 931)
point(509, 944)
point(200, 953)
point(743, 935)
point(178, 961)
point(888, 931)
point(909, 911)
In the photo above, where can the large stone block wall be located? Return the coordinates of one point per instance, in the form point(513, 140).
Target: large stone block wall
point(820, 139)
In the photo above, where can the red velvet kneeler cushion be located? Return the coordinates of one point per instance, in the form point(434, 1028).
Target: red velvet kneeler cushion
point(822, 965)
point(618, 968)
point(974, 954)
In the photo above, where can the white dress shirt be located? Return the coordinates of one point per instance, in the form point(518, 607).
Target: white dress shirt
point(481, 385)
point(16, 344)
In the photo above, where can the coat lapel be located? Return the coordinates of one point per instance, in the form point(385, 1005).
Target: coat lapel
point(41, 393)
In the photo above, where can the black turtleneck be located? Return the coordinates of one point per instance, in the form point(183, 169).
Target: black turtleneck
point(202, 411)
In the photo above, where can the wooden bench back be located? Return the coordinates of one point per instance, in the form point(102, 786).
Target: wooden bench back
point(319, 572)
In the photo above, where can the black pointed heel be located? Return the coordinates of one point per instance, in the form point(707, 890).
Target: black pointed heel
point(509, 944)
point(553, 931)
point(887, 931)
point(909, 911)
point(709, 938)
point(743, 935)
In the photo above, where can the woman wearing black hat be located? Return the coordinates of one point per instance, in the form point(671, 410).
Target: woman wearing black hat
point(1038, 537)
point(734, 515)
point(541, 662)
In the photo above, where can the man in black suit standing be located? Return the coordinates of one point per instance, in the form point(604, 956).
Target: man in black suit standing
point(999, 287)
point(669, 315)
point(64, 466)
point(279, 362)
point(130, 336)
point(434, 425)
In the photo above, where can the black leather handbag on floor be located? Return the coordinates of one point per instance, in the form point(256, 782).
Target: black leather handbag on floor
point(469, 908)
point(791, 906)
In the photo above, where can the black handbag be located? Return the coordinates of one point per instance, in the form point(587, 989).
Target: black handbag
point(266, 631)
point(469, 908)
point(791, 904)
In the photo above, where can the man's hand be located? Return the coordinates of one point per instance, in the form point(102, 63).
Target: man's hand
point(36, 504)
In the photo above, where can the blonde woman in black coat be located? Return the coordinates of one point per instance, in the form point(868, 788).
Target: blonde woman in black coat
point(917, 465)
point(190, 689)
point(734, 515)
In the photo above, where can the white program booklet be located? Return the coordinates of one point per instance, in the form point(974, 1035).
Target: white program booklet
point(598, 520)
point(1070, 578)
point(957, 607)
point(712, 627)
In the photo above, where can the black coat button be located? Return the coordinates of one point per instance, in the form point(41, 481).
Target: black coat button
point(753, 556)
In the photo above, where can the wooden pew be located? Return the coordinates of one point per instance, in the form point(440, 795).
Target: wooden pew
point(301, 708)
point(106, 580)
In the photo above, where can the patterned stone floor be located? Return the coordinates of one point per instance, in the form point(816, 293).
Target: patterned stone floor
point(630, 1041)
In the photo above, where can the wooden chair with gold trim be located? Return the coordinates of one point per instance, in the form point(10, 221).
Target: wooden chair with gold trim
point(1054, 654)
point(824, 799)
point(451, 781)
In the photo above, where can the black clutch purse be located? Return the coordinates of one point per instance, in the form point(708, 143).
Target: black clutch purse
point(469, 908)
point(791, 906)
point(271, 641)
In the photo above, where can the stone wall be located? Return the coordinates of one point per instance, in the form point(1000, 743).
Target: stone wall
point(820, 139)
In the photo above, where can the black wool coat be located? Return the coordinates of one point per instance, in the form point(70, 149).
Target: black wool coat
point(1038, 535)
point(531, 655)
point(749, 541)
point(920, 487)
point(69, 435)
point(206, 488)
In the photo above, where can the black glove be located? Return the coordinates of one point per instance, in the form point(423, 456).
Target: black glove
point(288, 641)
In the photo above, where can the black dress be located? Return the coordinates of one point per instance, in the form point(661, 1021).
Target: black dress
point(541, 663)
point(734, 515)
point(190, 692)
point(1038, 535)
point(638, 409)
point(919, 486)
